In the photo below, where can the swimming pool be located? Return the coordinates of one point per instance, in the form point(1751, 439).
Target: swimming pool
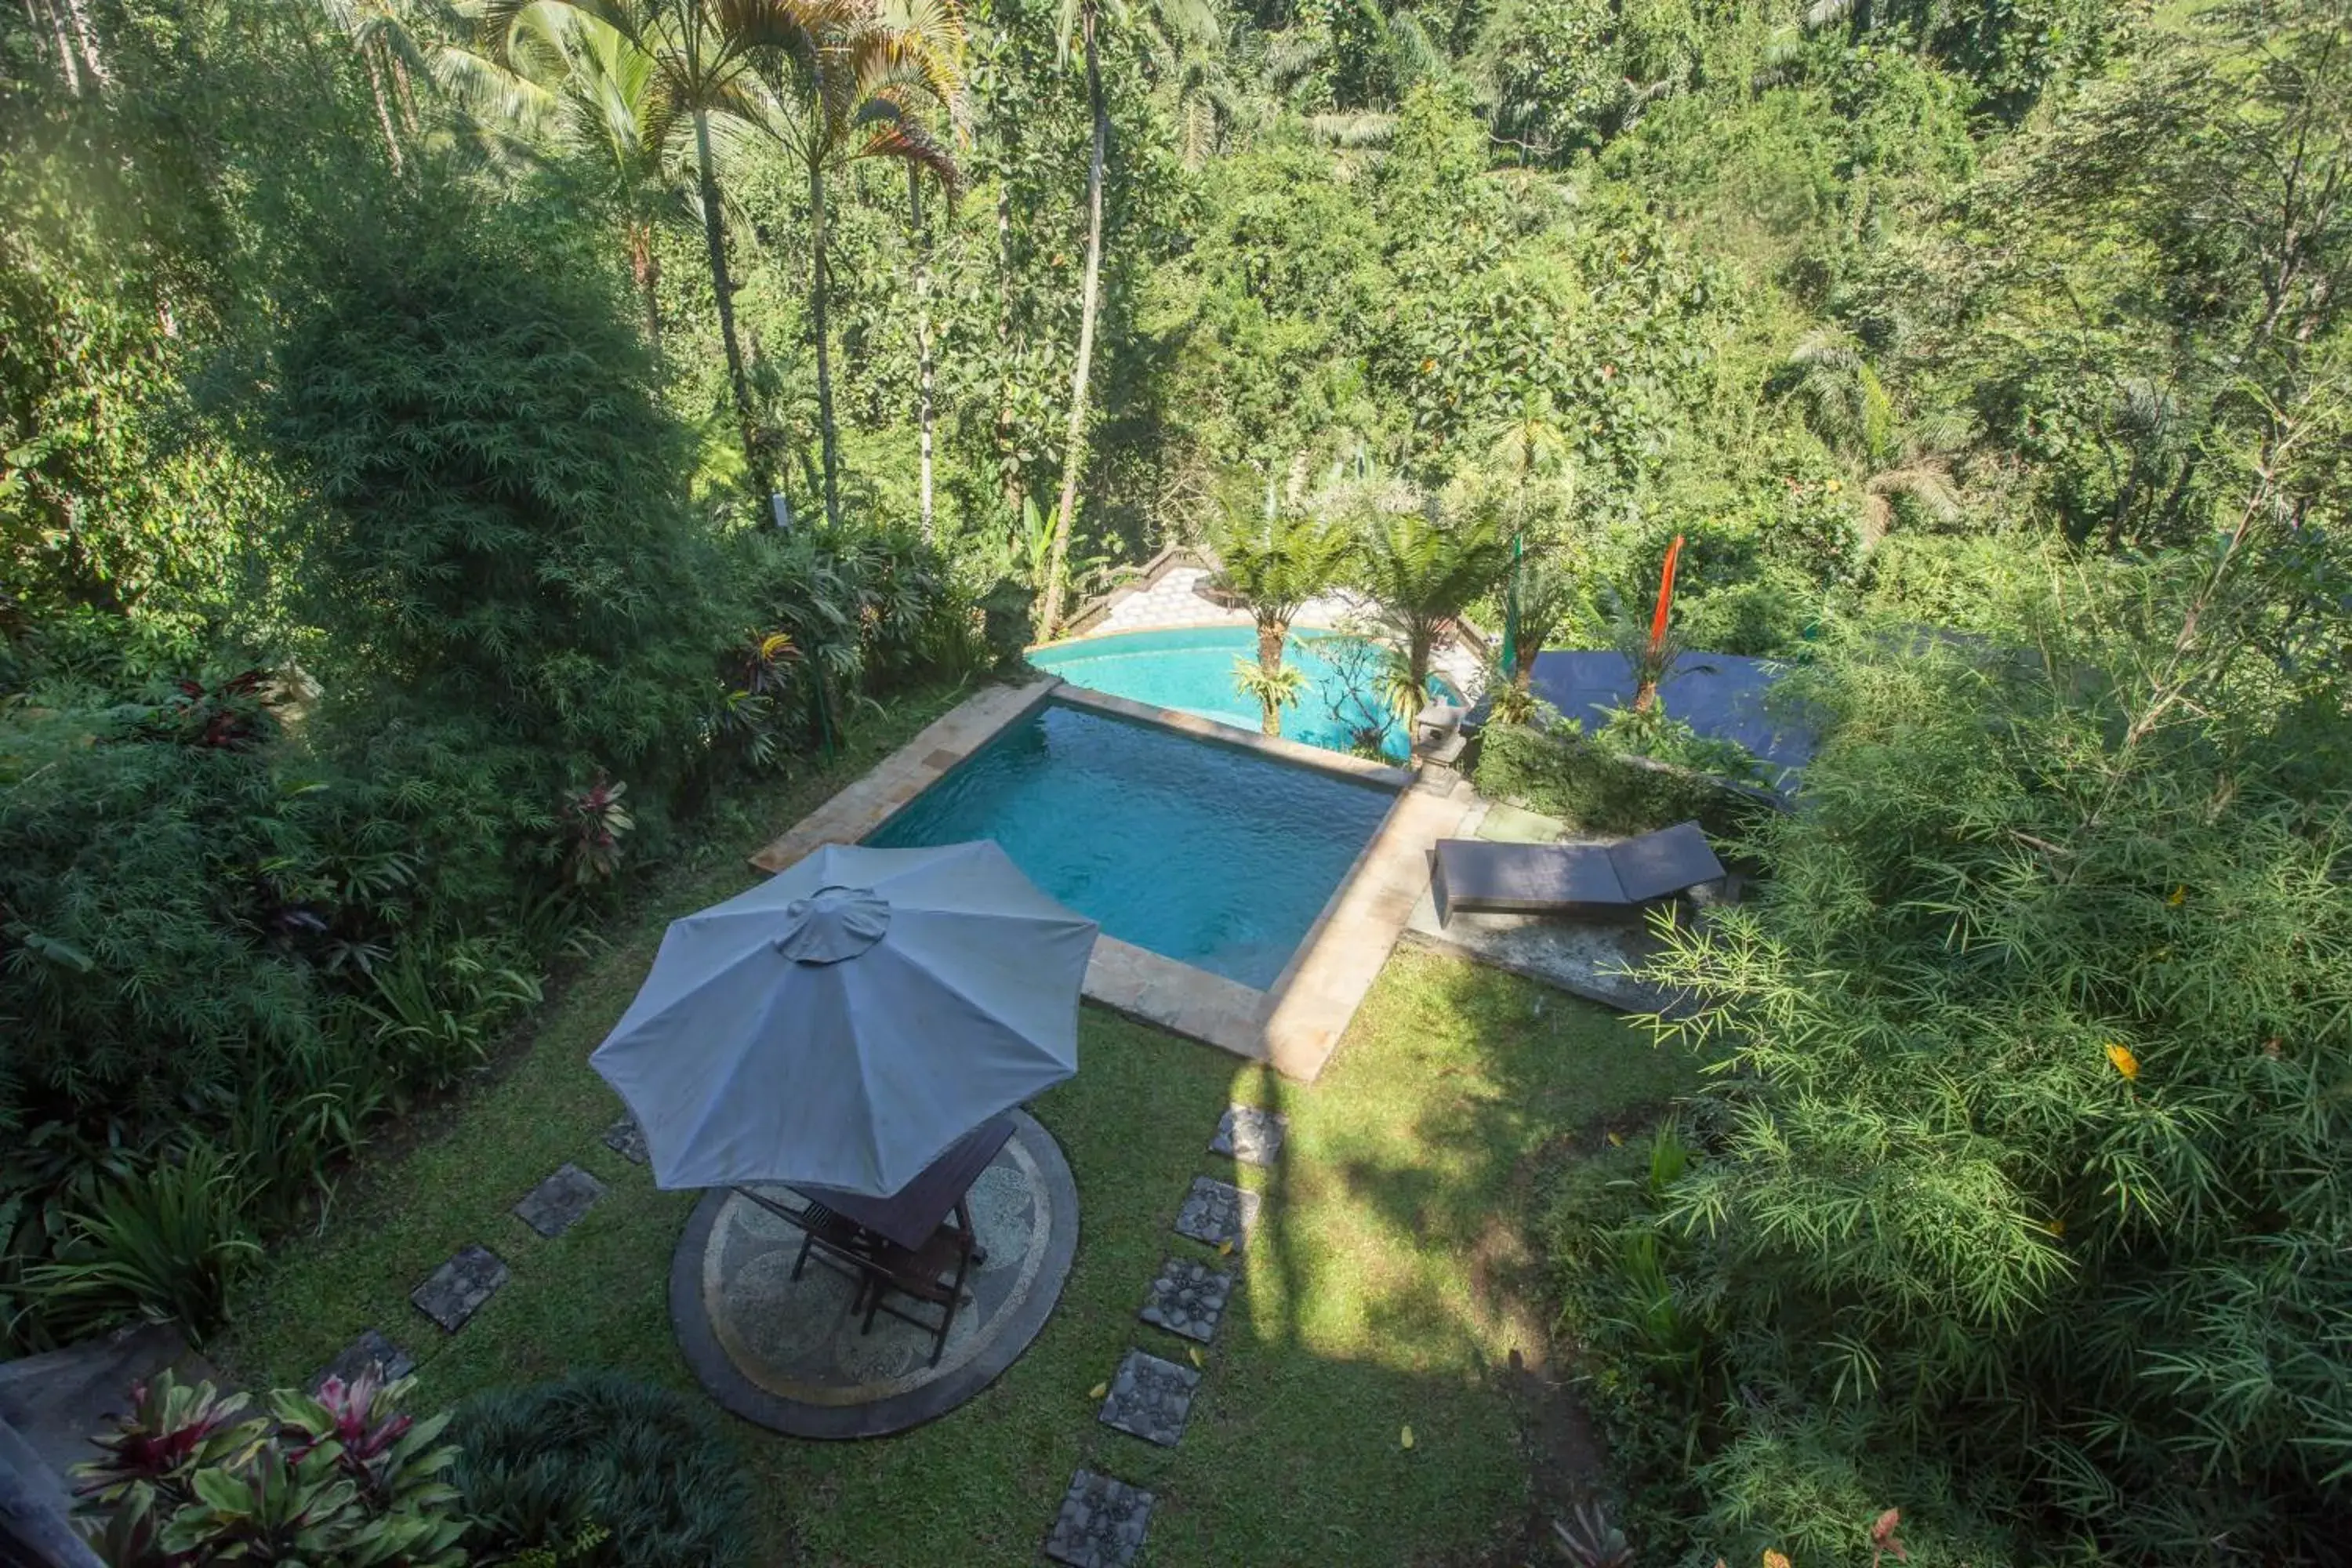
point(1208, 854)
point(1192, 670)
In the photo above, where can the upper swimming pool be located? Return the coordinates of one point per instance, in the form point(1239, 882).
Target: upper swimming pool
point(1192, 670)
point(1208, 853)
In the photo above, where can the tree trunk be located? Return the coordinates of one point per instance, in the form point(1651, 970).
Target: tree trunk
point(647, 266)
point(715, 237)
point(57, 29)
point(1008, 456)
point(382, 109)
point(922, 338)
point(823, 355)
point(1074, 454)
point(1270, 637)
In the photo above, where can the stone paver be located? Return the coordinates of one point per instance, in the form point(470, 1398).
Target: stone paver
point(457, 1290)
point(1150, 1398)
point(556, 1205)
point(1142, 984)
point(1102, 1523)
point(1250, 1135)
point(1217, 1213)
point(370, 1352)
point(628, 1140)
point(1186, 1298)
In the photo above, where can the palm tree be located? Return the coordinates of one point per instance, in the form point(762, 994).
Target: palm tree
point(1843, 402)
point(384, 36)
point(1082, 19)
point(857, 93)
point(1424, 571)
point(1525, 443)
point(705, 57)
point(1273, 562)
point(564, 76)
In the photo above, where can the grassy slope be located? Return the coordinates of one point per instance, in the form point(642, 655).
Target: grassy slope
point(1378, 1293)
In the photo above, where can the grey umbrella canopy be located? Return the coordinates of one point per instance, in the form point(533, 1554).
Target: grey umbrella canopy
point(843, 1021)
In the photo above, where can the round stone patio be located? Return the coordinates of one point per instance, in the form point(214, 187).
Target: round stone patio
point(788, 1353)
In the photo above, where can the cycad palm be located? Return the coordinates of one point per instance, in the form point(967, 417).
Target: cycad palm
point(861, 91)
point(1425, 571)
point(1273, 562)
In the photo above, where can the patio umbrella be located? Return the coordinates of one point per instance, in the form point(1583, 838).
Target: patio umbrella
point(843, 1023)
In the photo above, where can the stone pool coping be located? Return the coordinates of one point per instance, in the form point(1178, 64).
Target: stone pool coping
point(1295, 1024)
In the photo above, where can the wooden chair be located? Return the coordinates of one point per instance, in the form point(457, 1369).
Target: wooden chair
point(933, 1273)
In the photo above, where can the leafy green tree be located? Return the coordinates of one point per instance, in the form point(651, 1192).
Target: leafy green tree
point(1274, 561)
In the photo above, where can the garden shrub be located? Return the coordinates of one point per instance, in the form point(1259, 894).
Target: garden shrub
point(501, 528)
point(2019, 1213)
point(1564, 774)
point(607, 1471)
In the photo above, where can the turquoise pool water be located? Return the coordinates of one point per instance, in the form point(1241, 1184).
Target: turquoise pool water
point(1207, 854)
point(1193, 671)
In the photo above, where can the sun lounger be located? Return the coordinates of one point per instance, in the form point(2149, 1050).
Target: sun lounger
point(1475, 875)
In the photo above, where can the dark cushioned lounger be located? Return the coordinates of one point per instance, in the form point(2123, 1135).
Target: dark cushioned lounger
point(1482, 876)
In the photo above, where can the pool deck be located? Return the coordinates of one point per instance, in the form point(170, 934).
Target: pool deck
point(1295, 1025)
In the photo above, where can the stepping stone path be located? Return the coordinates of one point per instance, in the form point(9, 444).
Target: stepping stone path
point(1150, 1398)
point(1102, 1523)
point(458, 1288)
point(628, 1140)
point(1186, 1298)
point(370, 1352)
point(1250, 1135)
point(1217, 1213)
point(556, 1205)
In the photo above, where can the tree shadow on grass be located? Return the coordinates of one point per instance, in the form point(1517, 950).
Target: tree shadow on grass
point(1399, 1271)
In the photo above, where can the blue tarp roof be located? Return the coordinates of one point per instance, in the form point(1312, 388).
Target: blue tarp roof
point(1720, 695)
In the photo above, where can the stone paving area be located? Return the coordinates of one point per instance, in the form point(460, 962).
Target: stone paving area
point(1186, 1298)
point(557, 1204)
point(628, 1140)
point(1150, 1398)
point(456, 1290)
point(1250, 1135)
point(371, 1352)
point(1103, 1521)
point(1217, 1213)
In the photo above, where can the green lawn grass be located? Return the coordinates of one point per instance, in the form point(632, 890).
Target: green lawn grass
point(1385, 1286)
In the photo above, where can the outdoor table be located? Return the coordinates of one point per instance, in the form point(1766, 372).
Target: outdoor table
point(908, 1217)
point(911, 1214)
